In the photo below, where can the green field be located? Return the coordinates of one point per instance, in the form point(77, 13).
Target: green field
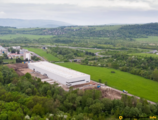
point(90, 50)
point(43, 54)
point(105, 27)
point(11, 36)
point(153, 39)
point(135, 85)
point(144, 54)
point(9, 60)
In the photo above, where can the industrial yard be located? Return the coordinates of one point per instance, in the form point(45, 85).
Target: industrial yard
point(106, 91)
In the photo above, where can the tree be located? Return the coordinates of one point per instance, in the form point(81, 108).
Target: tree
point(155, 75)
point(38, 109)
point(96, 108)
point(1, 78)
point(100, 80)
point(28, 75)
point(134, 112)
point(1, 60)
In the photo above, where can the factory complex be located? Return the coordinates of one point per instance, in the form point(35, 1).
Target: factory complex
point(58, 73)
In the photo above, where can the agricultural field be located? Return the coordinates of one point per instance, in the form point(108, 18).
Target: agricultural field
point(134, 84)
point(90, 50)
point(43, 54)
point(144, 54)
point(11, 36)
point(150, 39)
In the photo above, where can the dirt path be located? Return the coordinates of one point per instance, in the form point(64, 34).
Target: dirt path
point(121, 92)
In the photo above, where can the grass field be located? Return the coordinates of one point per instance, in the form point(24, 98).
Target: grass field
point(9, 60)
point(43, 54)
point(90, 50)
point(7, 37)
point(153, 39)
point(135, 85)
point(144, 54)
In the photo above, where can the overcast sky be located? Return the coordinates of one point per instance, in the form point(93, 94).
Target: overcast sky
point(82, 12)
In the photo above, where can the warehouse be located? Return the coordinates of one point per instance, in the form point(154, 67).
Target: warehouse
point(60, 74)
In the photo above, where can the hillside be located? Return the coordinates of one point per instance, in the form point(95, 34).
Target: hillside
point(19, 23)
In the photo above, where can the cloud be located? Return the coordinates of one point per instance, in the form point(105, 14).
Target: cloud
point(2, 13)
point(76, 12)
point(134, 4)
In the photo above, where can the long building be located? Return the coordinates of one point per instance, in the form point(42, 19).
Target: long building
point(60, 74)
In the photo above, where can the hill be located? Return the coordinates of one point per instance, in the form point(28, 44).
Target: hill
point(19, 23)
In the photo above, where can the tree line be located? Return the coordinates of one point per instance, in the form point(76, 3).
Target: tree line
point(27, 98)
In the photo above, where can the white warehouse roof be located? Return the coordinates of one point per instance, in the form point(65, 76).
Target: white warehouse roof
point(58, 70)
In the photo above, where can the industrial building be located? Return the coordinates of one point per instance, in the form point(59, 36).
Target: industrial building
point(27, 55)
point(60, 74)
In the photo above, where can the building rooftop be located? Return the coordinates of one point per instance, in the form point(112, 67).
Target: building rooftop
point(2, 48)
point(59, 70)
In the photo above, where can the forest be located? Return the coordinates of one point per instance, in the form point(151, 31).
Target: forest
point(65, 54)
point(27, 98)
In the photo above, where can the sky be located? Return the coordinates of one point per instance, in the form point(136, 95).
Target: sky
point(82, 12)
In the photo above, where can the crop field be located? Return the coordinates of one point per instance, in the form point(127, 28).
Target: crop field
point(43, 54)
point(153, 39)
point(11, 36)
point(144, 54)
point(134, 84)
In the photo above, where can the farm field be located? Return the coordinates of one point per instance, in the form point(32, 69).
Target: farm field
point(134, 84)
point(43, 54)
point(11, 36)
point(144, 54)
point(153, 39)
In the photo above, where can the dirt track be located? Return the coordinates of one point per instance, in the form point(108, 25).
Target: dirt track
point(19, 68)
point(111, 94)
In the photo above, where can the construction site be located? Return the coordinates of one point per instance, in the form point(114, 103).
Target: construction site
point(108, 92)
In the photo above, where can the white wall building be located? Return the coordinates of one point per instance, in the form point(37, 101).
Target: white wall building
point(16, 47)
point(27, 55)
point(60, 74)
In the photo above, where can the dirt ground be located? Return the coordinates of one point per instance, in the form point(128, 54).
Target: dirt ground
point(20, 69)
point(111, 94)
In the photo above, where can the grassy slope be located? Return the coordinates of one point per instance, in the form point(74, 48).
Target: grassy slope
point(150, 39)
point(144, 54)
point(135, 85)
point(43, 54)
point(24, 35)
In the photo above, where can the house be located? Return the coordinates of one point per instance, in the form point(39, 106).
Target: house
point(14, 55)
point(16, 47)
point(44, 47)
point(3, 50)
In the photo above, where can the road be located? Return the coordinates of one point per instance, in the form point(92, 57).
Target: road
point(126, 94)
point(37, 56)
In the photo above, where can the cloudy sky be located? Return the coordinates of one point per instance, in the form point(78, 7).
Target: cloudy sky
point(82, 12)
